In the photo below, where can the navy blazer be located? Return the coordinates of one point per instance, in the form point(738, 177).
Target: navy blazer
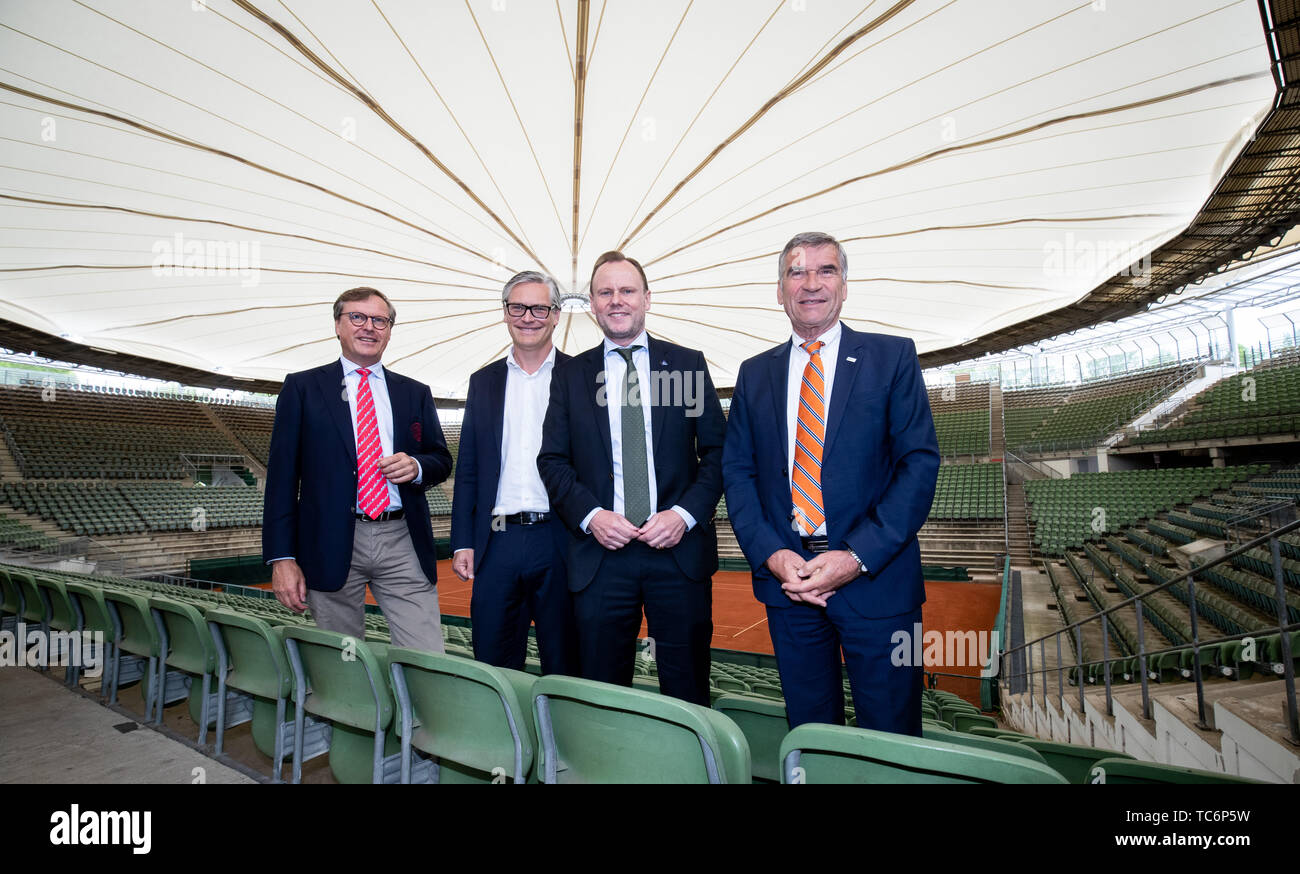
point(478, 464)
point(311, 472)
point(686, 427)
point(880, 464)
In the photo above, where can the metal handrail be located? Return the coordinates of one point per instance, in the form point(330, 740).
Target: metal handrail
point(1283, 629)
point(1045, 469)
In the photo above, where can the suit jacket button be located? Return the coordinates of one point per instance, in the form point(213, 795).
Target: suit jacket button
point(611, 476)
point(785, 472)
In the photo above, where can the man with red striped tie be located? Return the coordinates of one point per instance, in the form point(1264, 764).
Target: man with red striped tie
point(830, 465)
point(353, 450)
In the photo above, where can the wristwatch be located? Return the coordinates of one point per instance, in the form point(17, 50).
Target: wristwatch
point(862, 567)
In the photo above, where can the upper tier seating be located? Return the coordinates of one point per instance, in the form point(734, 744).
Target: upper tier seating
point(1056, 417)
point(1262, 401)
point(60, 433)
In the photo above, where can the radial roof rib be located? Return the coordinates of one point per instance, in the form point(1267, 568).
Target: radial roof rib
point(1254, 205)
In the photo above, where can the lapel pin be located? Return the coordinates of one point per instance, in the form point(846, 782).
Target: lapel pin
point(851, 360)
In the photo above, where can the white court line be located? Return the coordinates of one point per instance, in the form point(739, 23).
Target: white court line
point(755, 625)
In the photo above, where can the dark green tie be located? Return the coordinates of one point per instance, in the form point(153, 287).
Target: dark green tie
point(636, 475)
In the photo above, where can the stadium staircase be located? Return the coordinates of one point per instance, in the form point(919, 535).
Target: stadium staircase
point(1019, 545)
point(250, 456)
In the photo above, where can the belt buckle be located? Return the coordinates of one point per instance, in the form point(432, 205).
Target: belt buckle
point(815, 545)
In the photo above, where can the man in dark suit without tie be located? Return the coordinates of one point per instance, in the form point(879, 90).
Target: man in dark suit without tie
point(505, 537)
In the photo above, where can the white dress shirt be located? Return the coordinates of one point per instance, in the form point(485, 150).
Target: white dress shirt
point(615, 374)
point(798, 361)
point(520, 488)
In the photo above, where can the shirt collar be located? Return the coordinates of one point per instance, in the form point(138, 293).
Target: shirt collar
point(512, 363)
point(351, 367)
point(830, 337)
point(642, 340)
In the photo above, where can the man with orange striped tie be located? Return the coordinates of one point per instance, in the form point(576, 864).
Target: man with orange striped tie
point(353, 449)
point(826, 505)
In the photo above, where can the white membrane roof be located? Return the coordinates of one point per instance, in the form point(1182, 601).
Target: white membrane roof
point(195, 182)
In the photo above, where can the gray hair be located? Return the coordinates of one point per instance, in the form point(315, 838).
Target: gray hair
point(812, 239)
point(532, 276)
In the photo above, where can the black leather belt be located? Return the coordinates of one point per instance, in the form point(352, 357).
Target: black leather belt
point(384, 517)
point(815, 544)
point(527, 518)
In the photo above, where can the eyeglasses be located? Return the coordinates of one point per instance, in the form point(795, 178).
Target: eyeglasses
point(381, 323)
point(827, 271)
point(540, 311)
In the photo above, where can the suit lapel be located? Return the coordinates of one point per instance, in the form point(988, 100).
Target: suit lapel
point(659, 359)
point(847, 365)
point(779, 362)
point(400, 401)
point(593, 366)
point(335, 391)
point(497, 377)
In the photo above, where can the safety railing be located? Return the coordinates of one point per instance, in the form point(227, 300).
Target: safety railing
point(1017, 669)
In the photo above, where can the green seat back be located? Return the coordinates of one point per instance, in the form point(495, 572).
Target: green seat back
point(967, 721)
point(961, 738)
point(258, 663)
point(139, 634)
point(985, 731)
point(592, 732)
point(1073, 761)
point(467, 714)
point(764, 724)
point(33, 606)
point(94, 612)
point(61, 616)
point(11, 603)
point(346, 682)
point(189, 643)
point(1133, 772)
point(839, 754)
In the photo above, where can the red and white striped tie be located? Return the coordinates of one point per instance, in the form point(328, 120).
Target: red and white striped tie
point(372, 487)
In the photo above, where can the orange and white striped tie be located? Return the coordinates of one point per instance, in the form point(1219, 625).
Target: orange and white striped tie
point(809, 439)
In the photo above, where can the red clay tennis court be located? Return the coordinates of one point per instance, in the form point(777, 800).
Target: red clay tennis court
point(740, 621)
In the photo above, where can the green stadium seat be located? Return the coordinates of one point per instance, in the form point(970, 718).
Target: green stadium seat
point(966, 721)
point(135, 635)
point(91, 616)
point(186, 645)
point(33, 605)
point(764, 724)
point(472, 719)
point(59, 617)
point(997, 745)
point(839, 754)
point(592, 732)
point(343, 680)
point(1072, 761)
point(11, 601)
point(1128, 772)
point(252, 660)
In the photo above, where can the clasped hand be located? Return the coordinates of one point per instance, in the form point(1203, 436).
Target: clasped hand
point(815, 580)
point(663, 530)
